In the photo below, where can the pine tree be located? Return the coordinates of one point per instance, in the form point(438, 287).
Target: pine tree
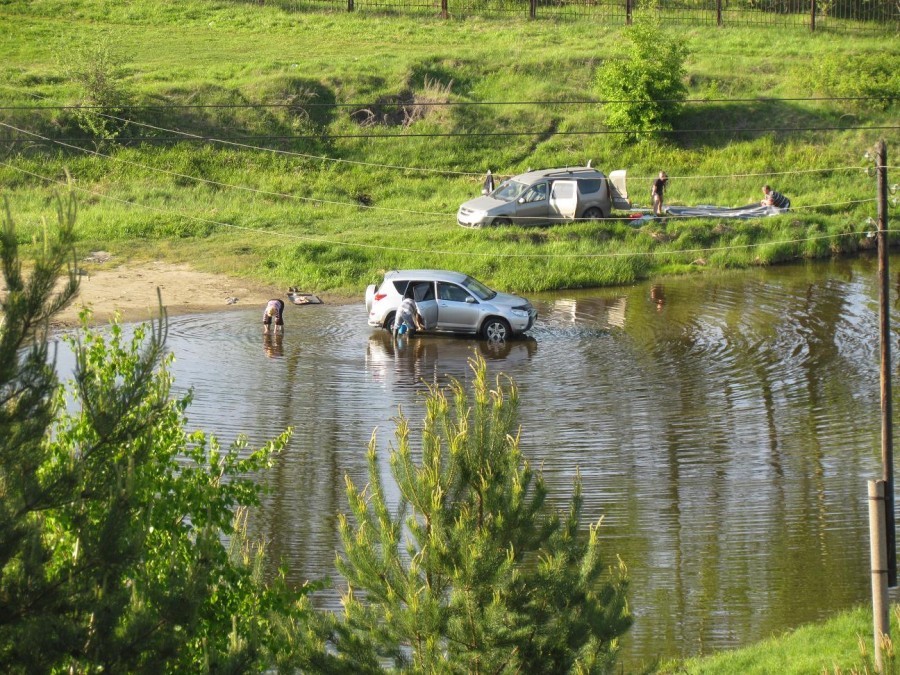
point(122, 536)
point(474, 573)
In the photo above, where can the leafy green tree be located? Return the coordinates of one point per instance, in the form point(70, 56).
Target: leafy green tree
point(475, 573)
point(645, 91)
point(122, 539)
point(96, 67)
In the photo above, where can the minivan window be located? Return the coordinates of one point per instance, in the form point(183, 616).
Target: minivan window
point(478, 289)
point(590, 186)
point(509, 190)
point(563, 190)
point(536, 194)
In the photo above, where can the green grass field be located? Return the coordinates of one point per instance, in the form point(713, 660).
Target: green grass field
point(308, 194)
point(843, 644)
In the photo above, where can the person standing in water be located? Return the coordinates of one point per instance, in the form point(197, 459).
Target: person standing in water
point(274, 311)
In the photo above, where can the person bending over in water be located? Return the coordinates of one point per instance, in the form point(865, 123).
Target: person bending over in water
point(273, 311)
point(408, 318)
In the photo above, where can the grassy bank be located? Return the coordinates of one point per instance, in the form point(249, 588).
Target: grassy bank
point(842, 644)
point(324, 197)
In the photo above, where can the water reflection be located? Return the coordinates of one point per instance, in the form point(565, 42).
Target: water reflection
point(724, 427)
point(273, 344)
point(410, 361)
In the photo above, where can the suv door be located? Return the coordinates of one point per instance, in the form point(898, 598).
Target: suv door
point(423, 294)
point(532, 207)
point(458, 310)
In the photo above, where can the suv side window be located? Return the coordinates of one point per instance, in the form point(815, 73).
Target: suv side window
point(452, 292)
point(589, 185)
point(537, 193)
point(422, 290)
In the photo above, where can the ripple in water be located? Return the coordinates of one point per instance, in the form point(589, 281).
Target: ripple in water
point(723, 427)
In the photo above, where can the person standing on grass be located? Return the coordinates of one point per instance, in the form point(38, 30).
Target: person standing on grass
point(776, 199)
point(656, 193)
point(274, 311)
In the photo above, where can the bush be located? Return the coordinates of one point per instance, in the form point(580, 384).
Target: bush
point(645, 92)
point(96, 68)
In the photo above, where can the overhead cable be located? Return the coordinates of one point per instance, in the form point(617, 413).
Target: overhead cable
point(332, 242)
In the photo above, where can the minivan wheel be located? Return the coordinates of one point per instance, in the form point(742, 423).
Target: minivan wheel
point(495, 329)
point(389, 322)
point(500, 222)
point(593, 213)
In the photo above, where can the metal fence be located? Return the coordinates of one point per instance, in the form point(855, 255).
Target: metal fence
point(811, 14)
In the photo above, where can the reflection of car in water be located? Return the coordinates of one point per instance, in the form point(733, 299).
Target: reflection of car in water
point(429, 358)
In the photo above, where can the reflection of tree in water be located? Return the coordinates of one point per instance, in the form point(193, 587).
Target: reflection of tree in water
point(273, 345)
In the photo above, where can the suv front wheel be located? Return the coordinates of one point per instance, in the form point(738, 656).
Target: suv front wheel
point(495, 329)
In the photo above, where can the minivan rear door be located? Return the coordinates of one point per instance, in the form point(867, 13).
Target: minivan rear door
point(563, 199)
point(618, 191)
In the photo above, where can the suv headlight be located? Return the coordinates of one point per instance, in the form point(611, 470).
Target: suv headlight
point(521, 313)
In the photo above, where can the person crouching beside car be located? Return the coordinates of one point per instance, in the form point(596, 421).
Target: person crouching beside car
point(273, 312)
point(408, 318)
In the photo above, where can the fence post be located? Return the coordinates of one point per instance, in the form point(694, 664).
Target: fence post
point(812, 16)
point(627, 12)
point(719, 12)
point(878, 557)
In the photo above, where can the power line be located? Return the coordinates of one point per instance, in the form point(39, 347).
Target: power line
point(477, 134)
point(221, 184)
point(433, 104)
point(301, 154)
point(424, 251)
point(312, 199)
point(448, 171)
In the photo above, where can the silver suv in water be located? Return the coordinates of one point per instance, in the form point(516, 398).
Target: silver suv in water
point(450, 302)
point(548, 196)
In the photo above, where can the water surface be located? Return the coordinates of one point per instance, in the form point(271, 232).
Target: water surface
point(724, 428)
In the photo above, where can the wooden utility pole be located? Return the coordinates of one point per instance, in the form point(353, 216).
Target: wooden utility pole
point(881, 623)
point(887, 428)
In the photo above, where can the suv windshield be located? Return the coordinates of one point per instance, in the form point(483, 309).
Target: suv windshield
point(509, 190)
point(477, 288)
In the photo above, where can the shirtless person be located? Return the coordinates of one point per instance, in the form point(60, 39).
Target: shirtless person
point(656, 193)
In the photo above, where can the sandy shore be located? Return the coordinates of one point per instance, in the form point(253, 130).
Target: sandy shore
point(130, 290)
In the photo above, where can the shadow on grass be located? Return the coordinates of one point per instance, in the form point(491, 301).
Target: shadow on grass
point(748, 120)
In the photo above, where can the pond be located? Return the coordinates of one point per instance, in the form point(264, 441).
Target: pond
point(724, 427)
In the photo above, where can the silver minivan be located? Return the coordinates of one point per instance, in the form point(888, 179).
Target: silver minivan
point(548, 196)
point(450, 302)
